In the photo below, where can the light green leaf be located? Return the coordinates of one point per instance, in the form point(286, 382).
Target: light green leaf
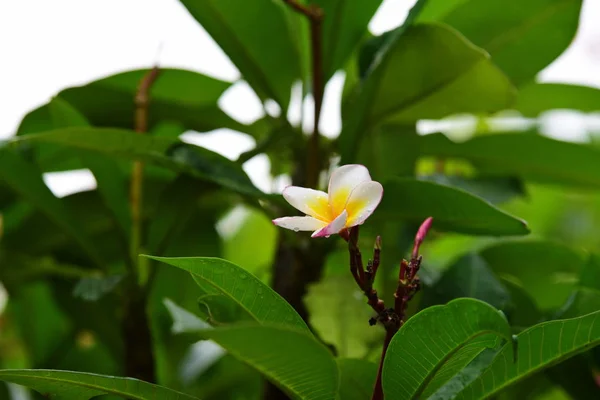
point(438, 342)
point(26, 180)
point(527, 155)
point(66, 385)
point(270, 69)
point(522, 37)
point(536, 98)
point(294, 360)
point(409, 84)
point(258, 300)
point(169, 153)
point(357, 378)
point(540, 347)
point(452, 209)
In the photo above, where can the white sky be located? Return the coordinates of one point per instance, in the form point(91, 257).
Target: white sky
point(46, 46)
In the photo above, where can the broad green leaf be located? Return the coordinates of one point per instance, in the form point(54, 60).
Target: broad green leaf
point(536, 98)
point(270, 69)
point(24, 179)
point(344, 25)
point(258, 300)
point(357, 378)
point(409, 84)
point(469, 277)
point(452, 209)
point(548, 271)
point(494, 190)
point(527, 155)
point(169, 153)
point(522, 38)
point(111, 181)
point(540, 346)
point(183, 97)
point(465, 376)
point(438, 342)
point(294, 360)
point(377, 46)
point(67, 385)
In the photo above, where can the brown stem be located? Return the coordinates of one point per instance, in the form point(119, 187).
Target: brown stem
point(139, 356)
point(142, 101)
point(408, 284)
point(378, 389)
point(315, 16)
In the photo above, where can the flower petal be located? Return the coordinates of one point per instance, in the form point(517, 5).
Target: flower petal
point(299, 223)
point(334, 227)
point(312, 202)
point(363, 200)
point(343, 181)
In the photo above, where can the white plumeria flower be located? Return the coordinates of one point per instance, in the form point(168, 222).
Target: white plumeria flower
point(352, 198)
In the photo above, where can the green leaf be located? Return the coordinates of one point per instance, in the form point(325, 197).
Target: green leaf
point(452, 209)
point(540, 347)
point(258, 300)
point(438, 342)
point(536, 98)
point(66, 385)
point(357, 378)
point(408, 84)
point(344, 25)
point(495, 190)
point(26, 180)
point(184, 97)
point(548, 271)
point(522, 38)
point(111, 181)
point(173, 154)
point(527, 155)
point(270, 70)
point(294, 360)
point(344, 322)
point(469, 277)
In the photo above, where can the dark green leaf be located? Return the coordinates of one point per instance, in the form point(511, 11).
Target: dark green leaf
point(469, 277)
point(26, 180)
point(522, 38)
point(530, 156)
point(409, 84)
point(452, 209)
point(443, 339)
point(111, 181)
point(66, 385)
point(539, 347)
point(258, 300)
point(536, 98)
point(344, 24)
point(377, 46)
point(173, 154)
point(548, 271)
point(576, 377)
point(270, 70)
point(494, 190)
point(294, 360)
point(183, 97)
point(357, 378)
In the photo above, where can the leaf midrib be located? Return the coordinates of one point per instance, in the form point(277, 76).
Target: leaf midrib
point(87, 385)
